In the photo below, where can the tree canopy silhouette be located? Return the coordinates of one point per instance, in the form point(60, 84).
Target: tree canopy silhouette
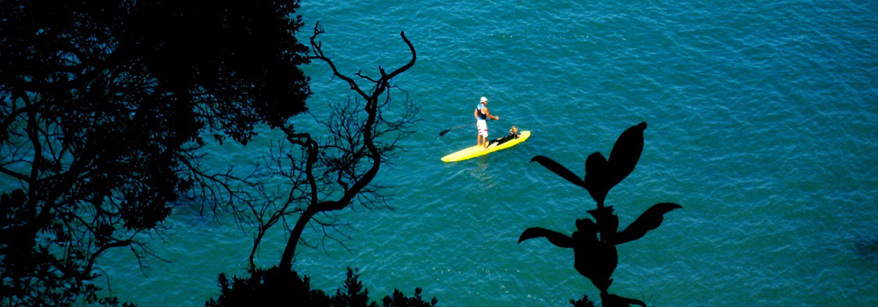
point(103, 103)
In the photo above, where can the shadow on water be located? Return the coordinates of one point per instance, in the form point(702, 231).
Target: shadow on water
point(594, 241)
point(867, 250)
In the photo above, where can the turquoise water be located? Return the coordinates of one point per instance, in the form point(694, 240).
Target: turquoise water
point(763, 117)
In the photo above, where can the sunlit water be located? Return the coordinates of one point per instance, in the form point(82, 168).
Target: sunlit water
point(762, 115)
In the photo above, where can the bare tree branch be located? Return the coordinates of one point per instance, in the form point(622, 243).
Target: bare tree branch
point(351, 160)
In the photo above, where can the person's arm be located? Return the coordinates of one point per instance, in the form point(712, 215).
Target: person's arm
point(476, 114)
point(488, 113)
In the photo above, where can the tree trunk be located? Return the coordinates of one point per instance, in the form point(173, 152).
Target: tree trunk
point(286, 261)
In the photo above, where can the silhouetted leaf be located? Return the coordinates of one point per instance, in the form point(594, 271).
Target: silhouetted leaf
point(626, 152)
point(649, 220)
point(556, 238)
point(558, 169)
point(597, 177)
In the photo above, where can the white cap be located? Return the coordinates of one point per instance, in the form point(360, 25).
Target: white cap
point(484, 99)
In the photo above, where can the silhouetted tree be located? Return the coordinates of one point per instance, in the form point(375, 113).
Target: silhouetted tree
point(594, 242)
point(335, 170)
point(329, 170)
point(102, 104)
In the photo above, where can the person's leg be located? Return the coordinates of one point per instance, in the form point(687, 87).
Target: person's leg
point(483, 133)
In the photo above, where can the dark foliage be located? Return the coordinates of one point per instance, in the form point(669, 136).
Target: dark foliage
point(101, 105)
point(400, 300)
point(583, 302)
point(594, 242)
point(278, 287)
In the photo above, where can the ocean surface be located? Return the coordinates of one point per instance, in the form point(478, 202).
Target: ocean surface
point(762, 123)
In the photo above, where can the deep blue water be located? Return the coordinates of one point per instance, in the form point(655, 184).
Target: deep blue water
point(762, 115)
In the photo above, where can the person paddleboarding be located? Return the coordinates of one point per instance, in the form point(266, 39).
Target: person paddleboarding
point(482, 115)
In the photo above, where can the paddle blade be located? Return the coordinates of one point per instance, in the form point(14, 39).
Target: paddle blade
point(443, 132)
point(558, 169)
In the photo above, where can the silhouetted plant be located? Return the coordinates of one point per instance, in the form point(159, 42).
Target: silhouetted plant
point(594, 242)
point(278, 287)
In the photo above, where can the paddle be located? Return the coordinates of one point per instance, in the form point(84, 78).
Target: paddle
point(443, 132)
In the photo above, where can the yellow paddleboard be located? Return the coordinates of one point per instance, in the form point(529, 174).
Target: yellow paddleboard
point(475, 151)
